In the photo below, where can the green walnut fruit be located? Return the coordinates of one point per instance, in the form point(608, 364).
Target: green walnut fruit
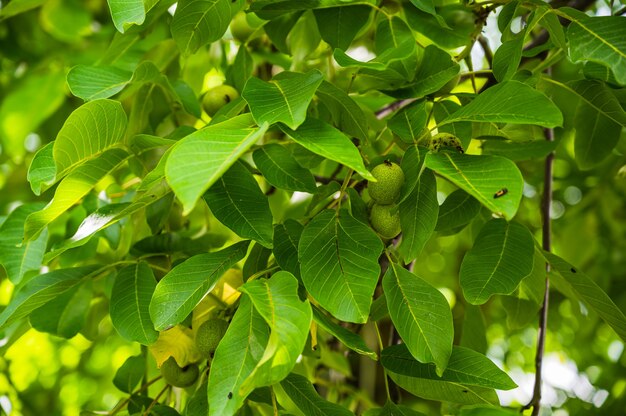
point(384, 222)
point(218, 97)
point(390, 179)
point(177, 376)
point(209, 335)
point(240, 28)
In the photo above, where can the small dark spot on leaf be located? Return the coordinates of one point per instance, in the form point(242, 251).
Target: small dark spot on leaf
point(230, 395)
point(573, 270)
point(465, 391)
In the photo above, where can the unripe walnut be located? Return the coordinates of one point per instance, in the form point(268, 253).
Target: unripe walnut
point(209, 335)
point(218, 97)
point(177, 376)
point(389, 178)
point(384, 222)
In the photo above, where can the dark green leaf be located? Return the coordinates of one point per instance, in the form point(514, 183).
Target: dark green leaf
point(339, 25)
point(421, 315)
point(501, 257)
point(130, 373)
point(198, 22)
point(347, 338)
point(303, 394)
point(457, 210)
point(237, 202)
point(339, 264)
point(418, 216)
point(327, 141)
point(130, 302)
point(282, 170)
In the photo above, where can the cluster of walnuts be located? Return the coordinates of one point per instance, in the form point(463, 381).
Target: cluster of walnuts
point(208, 336)
point(384, 215)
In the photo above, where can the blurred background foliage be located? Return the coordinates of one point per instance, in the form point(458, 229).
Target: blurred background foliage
point(41, 374)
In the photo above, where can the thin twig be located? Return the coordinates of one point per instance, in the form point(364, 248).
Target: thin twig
point(156, 399)
point(546, 203)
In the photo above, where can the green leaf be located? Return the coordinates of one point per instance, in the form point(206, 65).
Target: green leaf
point(577, 285)
point(130, 302)
point(17, 256)
point(391, 33)
point(392, 409)
point(40, 290)
point(409, 122)
point(286, 240)
point(598, 119)
point(347, 338)
point(484, 177)
point(599, 39)
point(241, 69)
point(75, 186)
point(198, 22)
point(339, 25)
point(508, 56)
point(27, 105)
point(309, 402)
point(325, 140)
point(256, 261)
point(237, 202)
point(501, 257)
point(517, 151)
point(95, 82)
point(339, 264)
point(186, 284)
point(421, 315)
point(466, 367)
point(130, 373)
point(457, 210)
point(510, 102)
point(347, 115)
point(282, 170)
point(269, 9)
point(197, 161)
point(458, 19)
point(90, 130)
point(483, 410)
point(418, 216)
point(285, 99)
point(16, 7)
point(235, 358)
point(126, 13)
point(42, 170)
point(436, 69)
point(276, 299)
point(66, 314)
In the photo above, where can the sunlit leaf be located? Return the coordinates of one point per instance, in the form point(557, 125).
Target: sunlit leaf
point(197, 161)
point(285, 99)
point(235, 358)
point(494, 181)
point(185, 285)
point(276, 300)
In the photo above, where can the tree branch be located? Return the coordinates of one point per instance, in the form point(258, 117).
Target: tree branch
point(546, 203)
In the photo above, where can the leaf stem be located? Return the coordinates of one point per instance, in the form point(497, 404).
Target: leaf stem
point(381, 346)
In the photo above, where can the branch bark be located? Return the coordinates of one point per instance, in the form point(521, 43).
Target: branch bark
point(546, 203)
